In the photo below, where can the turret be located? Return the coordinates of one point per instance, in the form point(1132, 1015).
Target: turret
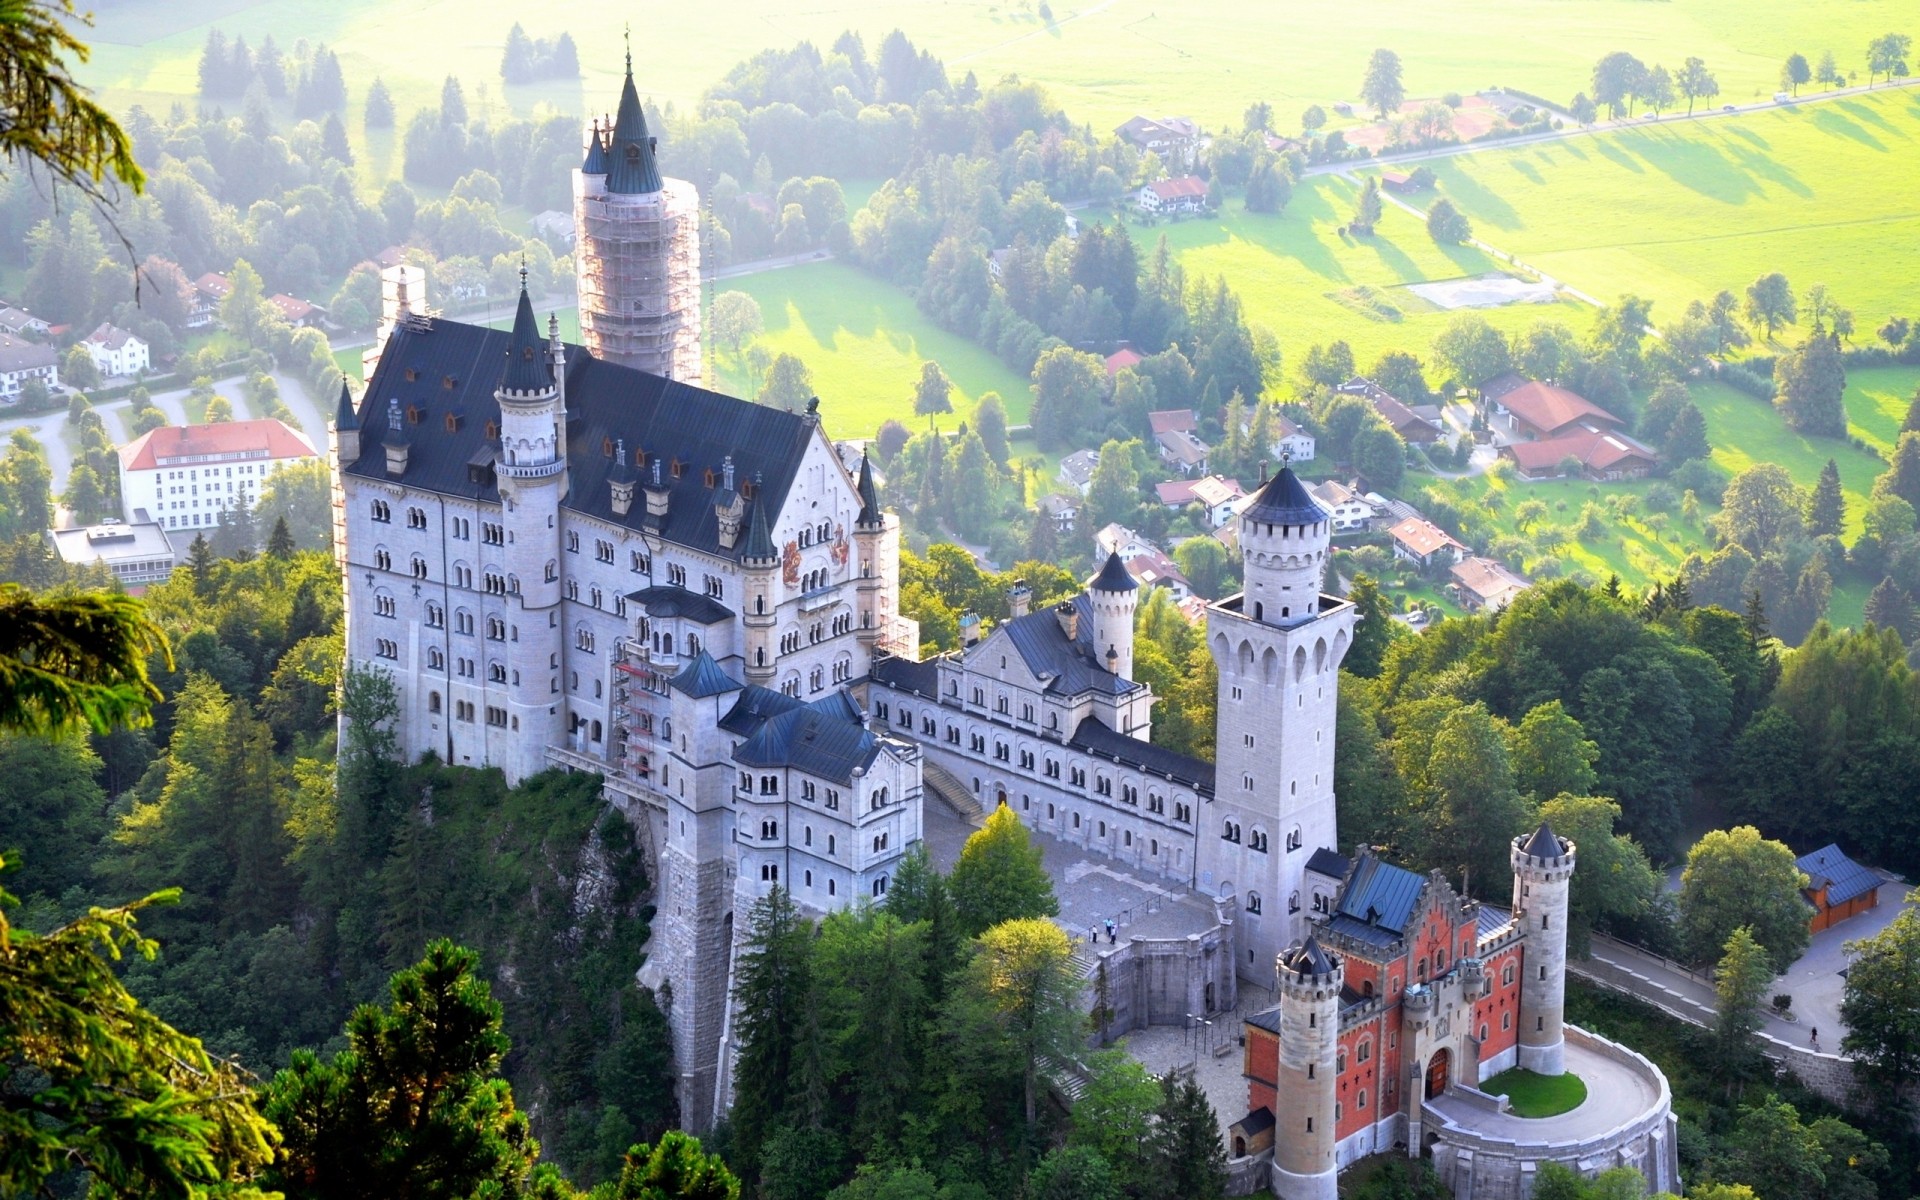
point(630, 164)
point(1113, 595)
point(760, 563)
point(1304, 1166)
point(346, 427)
point(1543, 866)
point(1284, 537)
point(876, 548)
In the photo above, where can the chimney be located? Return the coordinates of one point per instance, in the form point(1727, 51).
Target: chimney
point(1019, 597)
point(969, 629)
point(395, 443)
point(621, 480)
point(656, 496)
point(1069, 617)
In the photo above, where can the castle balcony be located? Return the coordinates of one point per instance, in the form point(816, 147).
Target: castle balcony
point(535, 472)
point(820, 597)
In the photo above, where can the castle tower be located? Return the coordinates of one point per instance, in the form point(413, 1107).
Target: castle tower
point(760, 568)
point(1278, 646)
point(876, 543)
point(1542, 873)
point(532, 473)
point(1113, 594)
point(343, 447)
point(636, 250)
point(1304, 1166)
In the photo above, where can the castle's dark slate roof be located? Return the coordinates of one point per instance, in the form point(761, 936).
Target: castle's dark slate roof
point(659, 418)
point(528, 368)
point(1113, 576)
point(667, 601)
point(1377, 902)
point(1308, 959)
point(1268, 1020)
point(755, 705)
point(1096, 739)
point(631, 169)
point(596, 160)
point(1489, 920)
point(904, 674)
point(1284, 501)
point(703, 677)
point(759, 545)
point(1076, 666)
point(1330, 863)
point(1843, 878)
point(1543, 844)
point(869, 496)
point(817, 739)
point(1260, 1119)
point(343, 415)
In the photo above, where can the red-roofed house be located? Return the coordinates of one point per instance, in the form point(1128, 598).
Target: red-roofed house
point(208, 291)
point(1541, 410)
point(1484, 584)
point(1421, 542)
point(115, 352)
point(1215, 493)
point(1175, 139)
point(1121, 359)
point(298, 312)
point(1173, 420)
point(1187, 194)
point(184, 476)
point(1600, 454)
point(1419, 425)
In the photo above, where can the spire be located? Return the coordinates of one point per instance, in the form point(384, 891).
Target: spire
point(631, 169)
point(1113, 576)
point(527, 368)
point(869, 498)
point(759, 545)
point(1308, 959)
point(1543, 843)
point(596, 163)
point(343, 416)
point(1284, 500)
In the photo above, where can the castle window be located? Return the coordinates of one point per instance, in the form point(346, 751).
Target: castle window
point(1340, 1063)
point(1253, 902)
point(413, 414)
point(433, 703)
point(769, 872)
point(496, 717)
point(675, 467)
point(383, 606)
point(1543, 970)
point(1293, 838)
point(1183, 813)
point(1361, 1100)
point(493, 431)
point(573, 542)
point(436, 661)
point(381, 512)
point(1506, 976)
point(1364, 1051)
point(419, 567)
point(1506, 1021)
point(416, 518)
point(413, 374)
point(496, 673)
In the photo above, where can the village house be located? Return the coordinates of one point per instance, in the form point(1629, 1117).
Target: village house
point(1175, 139)
point(1216, 494)
point(1154, 569)
point(1420, 425)
point(1347, 509)
point(117, 353)
point(187, 475)
point(1599, 455)
point(21, 360)
point(1063, 510)
point(1183, 451)
point(1122, 359)
point(1837, 887)
point(1173, 420)
point(1077, 469)
point(297, 312)
point(208, 291)
point(1421, 542)
point(1484, 584)
point(21, 323)
point(1116, 538)
point(1186, 194)
point(1291, 443)
point(1535, 411)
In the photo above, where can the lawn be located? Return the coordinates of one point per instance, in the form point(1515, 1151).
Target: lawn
point(865, 342)
point(1532, 1095)
point(1823, 192)
point(1103, 60)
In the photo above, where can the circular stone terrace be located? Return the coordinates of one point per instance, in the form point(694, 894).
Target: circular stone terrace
point(1626, 1120)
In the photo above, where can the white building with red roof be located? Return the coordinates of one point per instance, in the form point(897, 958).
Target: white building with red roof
point(208, 291)
point(185, 476)
point(115, 352)
point(1186, 194)
point(1420, 541)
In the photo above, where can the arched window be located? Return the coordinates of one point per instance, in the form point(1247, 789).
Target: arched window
point(433, 703)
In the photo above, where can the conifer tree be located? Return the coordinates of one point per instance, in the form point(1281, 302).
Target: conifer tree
point(1827, 506)
point(773, 986)
point(1889, 606)
point(1813, 382)
point(379, 106)
point(1190, 1162)
point(1372, 633)
point(1912, 422)
point(200, 560)
point(1687, 436)
point(280, 541)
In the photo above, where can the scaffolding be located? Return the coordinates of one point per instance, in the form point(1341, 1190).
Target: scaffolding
point(637, 261)
point(639, 710)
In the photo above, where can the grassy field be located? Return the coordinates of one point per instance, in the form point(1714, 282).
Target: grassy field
point(864, 341)
point(1823, 192)
point(1299, 277)
point(1534, 1095)
point(1103, 59)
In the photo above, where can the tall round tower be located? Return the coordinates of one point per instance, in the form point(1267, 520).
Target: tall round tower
point(1304, 1166)
point(1542, 874)
point(636, 250)
point(1113, 595)
point(1284, 537)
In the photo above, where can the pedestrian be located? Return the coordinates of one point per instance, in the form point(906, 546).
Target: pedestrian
point(1110, 937)
point(1813, 1036)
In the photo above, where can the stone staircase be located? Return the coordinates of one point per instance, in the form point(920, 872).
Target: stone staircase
point(936, 780)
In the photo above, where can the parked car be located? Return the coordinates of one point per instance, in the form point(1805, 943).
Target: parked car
point(1727, 108)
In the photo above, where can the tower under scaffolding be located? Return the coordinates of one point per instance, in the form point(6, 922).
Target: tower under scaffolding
point(637, 261)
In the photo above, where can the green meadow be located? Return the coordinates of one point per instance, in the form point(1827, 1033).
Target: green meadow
point(1103, 59)
point(1300, 277)
point(1677, 210)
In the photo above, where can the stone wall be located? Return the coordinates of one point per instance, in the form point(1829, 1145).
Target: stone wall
point(1162, 981)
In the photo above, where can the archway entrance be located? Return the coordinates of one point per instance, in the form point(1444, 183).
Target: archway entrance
point(1002, 795)
point(1437, 1074)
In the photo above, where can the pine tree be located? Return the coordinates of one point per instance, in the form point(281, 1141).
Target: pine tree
point(1902, 476)
point(379, 106)
point(1189, 1160)
point(1912, 422)
point(1373, 632)
point(200, 560)
point(1367, 208)
point(333, 141)
point(280, 541)
point(1890, 607)
point(1827, 506)
point(214, 65)
point(772, 986)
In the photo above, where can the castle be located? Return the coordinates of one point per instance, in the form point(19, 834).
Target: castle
point(575, 556)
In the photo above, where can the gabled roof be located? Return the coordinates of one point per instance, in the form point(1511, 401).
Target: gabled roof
point(527, 368)
point(819, 739)
point(1843, 878)
point(1422, 536)
point(1070, 668)
point(1552, 409)
point(449, 366)
point(1183, 447)
point(1283, 500)
point(110, 337)
point(631, 169)
point(1172, 420)
point(293, 308)
point(703, 677)
point(1489, 580)
point(18, 354)
point(1328, 862)
point(1123, 358)
point(214, 284)
point(263, 437)
point(1185, 187)
point(1376, 902)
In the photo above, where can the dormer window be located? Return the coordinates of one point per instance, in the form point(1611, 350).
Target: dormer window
point(453, 423)
point(447, 382)
point(633, 152)
point(675, 467)
point(413, 414)
point(606, 447)
point(493, 431)
point(707, 479)
point(413, 375)
point(526, 352)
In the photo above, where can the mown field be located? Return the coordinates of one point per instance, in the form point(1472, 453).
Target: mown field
point(1103, 59)
point(1678, 210)
point(1297, 275)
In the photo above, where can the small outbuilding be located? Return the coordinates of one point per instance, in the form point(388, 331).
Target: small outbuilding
point(1837, 887)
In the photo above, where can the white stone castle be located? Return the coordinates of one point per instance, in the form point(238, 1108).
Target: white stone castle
point(573, 556)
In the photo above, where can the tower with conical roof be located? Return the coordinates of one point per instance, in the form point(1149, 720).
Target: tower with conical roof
point(876, 548)
point(1304, 1118)
point(532, 473)
point(1278, 646)
point(1542, 881)
point(636, 249)
point(1113, 595)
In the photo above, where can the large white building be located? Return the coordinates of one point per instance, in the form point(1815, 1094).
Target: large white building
point(115, 352)
point(21, 361)
point(136, 552)
point(185, 476)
